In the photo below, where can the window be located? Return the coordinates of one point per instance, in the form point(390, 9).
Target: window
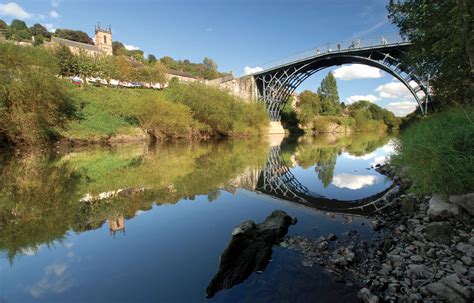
point(105, 39)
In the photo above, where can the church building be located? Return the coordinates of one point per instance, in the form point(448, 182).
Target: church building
point(103, 43)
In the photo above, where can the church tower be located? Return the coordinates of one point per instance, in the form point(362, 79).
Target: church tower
point(103, 39)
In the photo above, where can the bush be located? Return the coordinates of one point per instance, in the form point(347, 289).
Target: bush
point(33, 101)
point(437, 154)
point(224, 114)
point(330, 124)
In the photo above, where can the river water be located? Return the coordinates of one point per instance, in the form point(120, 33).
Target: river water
point(148, 224)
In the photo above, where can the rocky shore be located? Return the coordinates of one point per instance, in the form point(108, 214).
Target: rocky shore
point(424, 250)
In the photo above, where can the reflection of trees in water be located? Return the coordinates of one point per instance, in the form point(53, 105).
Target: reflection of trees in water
point(322, 150)
point(39, 196)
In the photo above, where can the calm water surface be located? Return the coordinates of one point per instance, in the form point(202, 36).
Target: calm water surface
point(141, 224)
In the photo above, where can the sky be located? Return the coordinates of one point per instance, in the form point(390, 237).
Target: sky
point(240, 35)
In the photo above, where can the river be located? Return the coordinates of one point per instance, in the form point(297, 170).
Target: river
point(148, 224)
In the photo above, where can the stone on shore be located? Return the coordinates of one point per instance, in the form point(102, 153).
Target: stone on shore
point(440, 232)
point(366, 296)
point(449, 290)
point(466, 202)
point(249, 250)
point(439, 209)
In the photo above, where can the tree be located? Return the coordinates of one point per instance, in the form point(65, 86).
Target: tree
point(3, 25)
point(118, 48)
point(442, 48)
point(209, 64)
point(34, 101)
point(329, 96)
point(66, 61)
point(40, 30)
point(151, 58)
point(74, 35)
point(19, 31)
point(309, 106)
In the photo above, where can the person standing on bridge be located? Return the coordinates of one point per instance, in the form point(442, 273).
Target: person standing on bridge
point(338, 46)
point(383, 40)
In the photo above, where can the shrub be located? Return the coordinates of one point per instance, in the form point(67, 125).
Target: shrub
point(222, 113)
point(33, 101)
point(437, 154)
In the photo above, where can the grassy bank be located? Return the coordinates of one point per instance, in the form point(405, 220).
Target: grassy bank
point(37, 107)
point(437, 153)
point(182, 111)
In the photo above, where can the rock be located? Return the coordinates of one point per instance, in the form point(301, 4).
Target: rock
point(323, 245)
point(440, 232)
point(332, 237)
point(366, 296)
point(409, 205)
point(416, 258)
point(249, 250)
point(440, 210)
point(459, 269)
point(466, 202)
point(377, 224)
point(418, 271)
point(466, 248)
point(385, 270)
point(396, 260)
point(450, 290)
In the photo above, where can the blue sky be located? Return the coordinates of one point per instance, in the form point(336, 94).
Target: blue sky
point(235, 33)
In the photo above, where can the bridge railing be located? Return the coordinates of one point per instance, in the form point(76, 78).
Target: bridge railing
point(342, 46)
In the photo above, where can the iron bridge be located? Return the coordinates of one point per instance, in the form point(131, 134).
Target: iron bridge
point(276, 84)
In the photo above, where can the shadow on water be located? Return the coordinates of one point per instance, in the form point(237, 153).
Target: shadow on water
point(47, 200)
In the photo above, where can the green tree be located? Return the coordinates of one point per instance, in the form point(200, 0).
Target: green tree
point(74, 35)
point(34, 102)
point(66, 60)
point(151, 58)
point(329, 96)
point(309, 106)
point(19, 31)
point(442, 48)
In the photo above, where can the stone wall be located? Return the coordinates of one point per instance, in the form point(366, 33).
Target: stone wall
point(243, 87)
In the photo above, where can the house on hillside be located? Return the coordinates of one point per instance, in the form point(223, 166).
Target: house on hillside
point(183, 77)
point(103, 43)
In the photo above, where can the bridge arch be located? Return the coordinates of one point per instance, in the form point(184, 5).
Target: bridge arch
point(275, 85)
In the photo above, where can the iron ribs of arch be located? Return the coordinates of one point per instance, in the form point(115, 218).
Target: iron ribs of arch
point(277, 85)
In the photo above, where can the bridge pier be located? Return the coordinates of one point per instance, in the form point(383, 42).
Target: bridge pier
point(276, 127)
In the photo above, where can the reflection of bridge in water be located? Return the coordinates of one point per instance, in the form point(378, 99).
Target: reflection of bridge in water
point(276, 180)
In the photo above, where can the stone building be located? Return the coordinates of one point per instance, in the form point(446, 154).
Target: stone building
point(183, 77)
point(103, 43)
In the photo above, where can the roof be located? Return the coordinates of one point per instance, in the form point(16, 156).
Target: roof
point(76, 44)
point(180, 73)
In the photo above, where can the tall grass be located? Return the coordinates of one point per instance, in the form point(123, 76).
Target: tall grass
point(437, 153)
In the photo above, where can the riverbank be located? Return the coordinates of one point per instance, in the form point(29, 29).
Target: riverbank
point(424, 250)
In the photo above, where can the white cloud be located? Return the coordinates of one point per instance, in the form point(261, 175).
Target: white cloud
point(50, 27)
point(379, 160)
point(209, 29)
point(353, 182)
point(402, 108)
point(54, 14)
point(356, 98)
point(13, 10)
point(394, 90)
point(357, 71)
point(55, 3)
point(131, 47)
point(250, 70)
point(363, 157)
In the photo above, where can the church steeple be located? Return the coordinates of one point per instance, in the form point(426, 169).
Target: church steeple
point(103, 39)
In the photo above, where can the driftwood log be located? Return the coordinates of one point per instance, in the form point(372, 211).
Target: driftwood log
point(249, 250)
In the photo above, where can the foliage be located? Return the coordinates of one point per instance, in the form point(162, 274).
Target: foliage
point(151, 58)
point(437, 154)
point(33, 101)
point(443, 45)
point(74, 35)
point(309, 107)
point(119, 49)
point(207, 69)
point(327, 91)
point(371, 117)
point(223, 113)
point(18, 31)
point(330, 124)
